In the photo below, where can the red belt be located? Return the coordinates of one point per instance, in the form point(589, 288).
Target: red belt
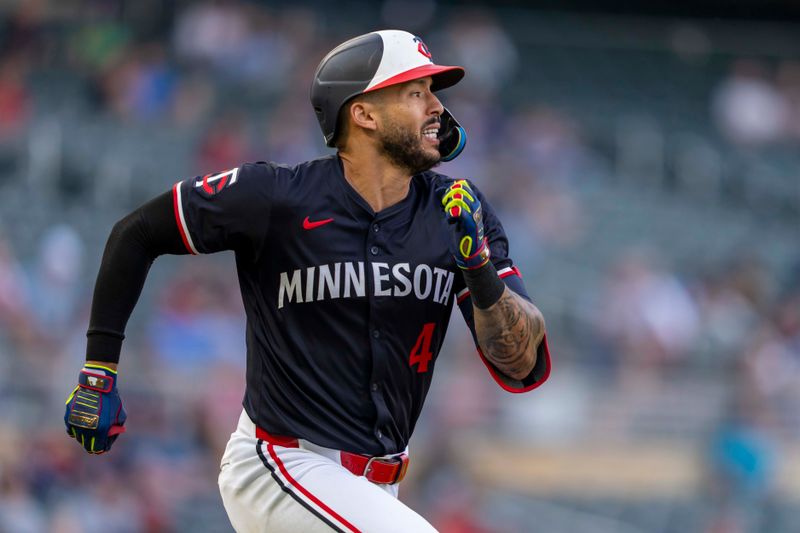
point(383, 470)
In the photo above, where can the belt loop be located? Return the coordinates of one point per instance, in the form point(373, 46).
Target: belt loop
point(401, 472)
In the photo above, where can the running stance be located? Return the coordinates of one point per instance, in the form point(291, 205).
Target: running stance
point(349, 266)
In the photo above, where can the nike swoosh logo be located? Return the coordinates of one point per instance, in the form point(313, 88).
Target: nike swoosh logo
point(307, 224)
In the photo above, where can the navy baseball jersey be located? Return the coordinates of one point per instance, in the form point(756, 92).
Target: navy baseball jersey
point(346, 308)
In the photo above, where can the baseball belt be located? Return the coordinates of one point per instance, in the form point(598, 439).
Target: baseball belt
point(382, 470)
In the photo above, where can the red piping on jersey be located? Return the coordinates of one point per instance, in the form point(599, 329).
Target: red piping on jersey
point(178, 218)
point(306, 493)
point(513, 272)
point(500, 382)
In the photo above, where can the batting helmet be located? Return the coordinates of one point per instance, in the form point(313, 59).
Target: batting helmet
point(370, 62)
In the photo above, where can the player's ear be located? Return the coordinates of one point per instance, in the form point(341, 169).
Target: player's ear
point(364, 114)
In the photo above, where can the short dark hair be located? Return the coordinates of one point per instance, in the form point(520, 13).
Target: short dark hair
point(342, 124)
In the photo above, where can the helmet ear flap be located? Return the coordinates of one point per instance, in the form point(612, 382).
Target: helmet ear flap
point(452, 137)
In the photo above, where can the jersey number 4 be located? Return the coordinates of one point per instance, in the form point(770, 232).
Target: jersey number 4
point(421, 352)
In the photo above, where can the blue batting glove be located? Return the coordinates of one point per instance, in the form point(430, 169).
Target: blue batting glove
point(95, 416)
point(463, 210)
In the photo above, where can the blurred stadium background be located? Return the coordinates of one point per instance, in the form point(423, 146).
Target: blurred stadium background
point(645, 164)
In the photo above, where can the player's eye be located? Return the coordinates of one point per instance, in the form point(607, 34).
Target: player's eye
point(416, 94)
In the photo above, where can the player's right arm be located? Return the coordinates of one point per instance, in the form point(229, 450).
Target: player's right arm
point(94, 414)
point(224, 211)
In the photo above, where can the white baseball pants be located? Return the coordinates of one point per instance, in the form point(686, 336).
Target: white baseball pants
point(270, 488)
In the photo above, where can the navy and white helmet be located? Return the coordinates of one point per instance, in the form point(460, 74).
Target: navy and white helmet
point(370, 62)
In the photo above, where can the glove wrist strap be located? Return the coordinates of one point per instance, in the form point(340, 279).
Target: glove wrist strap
point(477, 260)
point(485, 286)
point(94, 380)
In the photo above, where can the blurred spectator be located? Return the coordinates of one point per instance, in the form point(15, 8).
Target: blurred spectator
point(224, 144)
point(15, 320)
point(548, 158)
point(211, 32)
point(241, 42)
point(411, 15)
point(475, 162)
point(194, 99)
point(772, 360)
point(16, 108)
point(690, 42)
point(266, 52)
point(19, 512)
point(788, 83)
point(15, 100)
point(55, 293)
point(475, 38)
point(289, 138)
point(731, 299)
point(97, 46)
point(743, 458)
point(23, 29)
point(547, 142)
point(647, 315)
point(460, 511)
point(141, 86)
point(199, 322)
point(748, 108)
point(727, 318)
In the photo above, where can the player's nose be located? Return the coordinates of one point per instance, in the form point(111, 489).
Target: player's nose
point(435, 107)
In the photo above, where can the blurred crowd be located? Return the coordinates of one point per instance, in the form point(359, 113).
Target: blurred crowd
point(235, 74)
point(759, 103)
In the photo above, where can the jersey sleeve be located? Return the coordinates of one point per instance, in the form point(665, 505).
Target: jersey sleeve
point(511, 276)
point(225, 211)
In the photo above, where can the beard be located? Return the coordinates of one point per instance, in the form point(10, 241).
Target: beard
point(405, 150)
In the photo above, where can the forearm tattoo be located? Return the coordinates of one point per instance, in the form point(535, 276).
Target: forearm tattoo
point(509, 333)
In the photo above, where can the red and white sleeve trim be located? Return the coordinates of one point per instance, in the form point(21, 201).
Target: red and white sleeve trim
point(503, 382)
point(502, 273)
point(180, 219)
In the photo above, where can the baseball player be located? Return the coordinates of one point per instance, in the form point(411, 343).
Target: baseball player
point(349, 266)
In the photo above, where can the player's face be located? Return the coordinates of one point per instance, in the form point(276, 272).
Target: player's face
point(409, 136)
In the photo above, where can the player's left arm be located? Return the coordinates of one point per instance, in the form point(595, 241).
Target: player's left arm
point(508, 328)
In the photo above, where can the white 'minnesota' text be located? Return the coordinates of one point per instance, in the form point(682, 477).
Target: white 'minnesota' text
point(349, 280)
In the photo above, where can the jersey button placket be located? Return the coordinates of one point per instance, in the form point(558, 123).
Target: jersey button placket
point(377, 336)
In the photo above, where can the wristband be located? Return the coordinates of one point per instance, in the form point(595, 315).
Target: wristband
point(103, 345)
point(484, 285)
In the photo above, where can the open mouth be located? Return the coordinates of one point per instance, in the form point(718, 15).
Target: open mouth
point(431, 133)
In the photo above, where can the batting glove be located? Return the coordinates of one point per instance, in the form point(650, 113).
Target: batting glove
point(463, 210)
point(94, 416)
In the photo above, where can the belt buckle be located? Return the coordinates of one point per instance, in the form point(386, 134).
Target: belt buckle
point(368, 466)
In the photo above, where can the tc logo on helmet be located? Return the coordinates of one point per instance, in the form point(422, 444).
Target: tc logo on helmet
point(423, 48)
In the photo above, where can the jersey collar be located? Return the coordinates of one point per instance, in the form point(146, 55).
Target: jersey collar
point(401, 207)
